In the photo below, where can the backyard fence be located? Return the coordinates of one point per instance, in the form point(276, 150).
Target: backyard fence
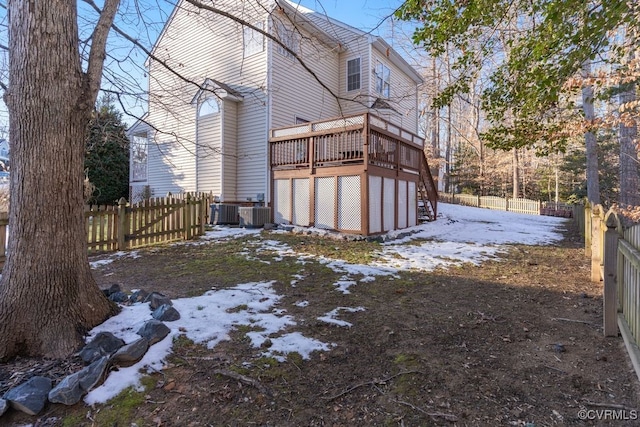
point(151, 221)
point(518, 205)
point(614, 249)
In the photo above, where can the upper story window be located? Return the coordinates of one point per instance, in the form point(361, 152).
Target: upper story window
point(253, 40)
point(289, 38)
point(208, 106)
point(353, 74)
point(139, 149)
point(383, 79)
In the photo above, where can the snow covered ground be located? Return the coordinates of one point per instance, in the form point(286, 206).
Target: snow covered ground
point(460, 235)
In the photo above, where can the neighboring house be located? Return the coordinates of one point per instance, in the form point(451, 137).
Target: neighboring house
point(218, 89)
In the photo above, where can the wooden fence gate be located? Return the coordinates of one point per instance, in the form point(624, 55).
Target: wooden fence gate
point(152, 221)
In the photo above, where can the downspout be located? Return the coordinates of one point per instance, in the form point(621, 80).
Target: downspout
point(197, 142)
point(268, 181)
point(222, 150)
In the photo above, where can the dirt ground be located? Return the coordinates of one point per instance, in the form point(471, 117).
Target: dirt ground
point(515, 341)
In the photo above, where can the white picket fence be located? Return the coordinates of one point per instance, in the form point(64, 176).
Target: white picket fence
point(518, 205)
point(615, 260)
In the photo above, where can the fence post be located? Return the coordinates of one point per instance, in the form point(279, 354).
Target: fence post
point(187, 217)
point(596, 243)
point(123, 224)
point(203, 213)
point(587, 229)
point(610, 299)
point(540, 207)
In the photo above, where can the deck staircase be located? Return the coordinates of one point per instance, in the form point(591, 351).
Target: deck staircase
point(427, 193)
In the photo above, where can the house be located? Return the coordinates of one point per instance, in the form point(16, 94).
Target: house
point(228, 96)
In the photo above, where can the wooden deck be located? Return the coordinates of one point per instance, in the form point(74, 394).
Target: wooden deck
point(363, 146)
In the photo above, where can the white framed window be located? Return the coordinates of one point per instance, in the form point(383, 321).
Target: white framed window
point(253, 40)
point(139, 155)
point(288, 37)
point(208, 106)
point(353, 74)
point(383, 79)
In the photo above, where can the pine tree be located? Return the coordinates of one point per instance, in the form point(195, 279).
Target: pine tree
point(107, 155)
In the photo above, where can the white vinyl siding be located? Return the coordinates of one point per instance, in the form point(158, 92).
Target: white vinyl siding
point(209, 148)
point(230, 151)
point(296, 93)
point(202, 46)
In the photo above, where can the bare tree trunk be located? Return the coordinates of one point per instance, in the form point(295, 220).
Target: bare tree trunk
point(591, 145)
point(516, 174)
point(48, 297)
point(628, 131)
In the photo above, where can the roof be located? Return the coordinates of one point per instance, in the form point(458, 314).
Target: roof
point(219, 89)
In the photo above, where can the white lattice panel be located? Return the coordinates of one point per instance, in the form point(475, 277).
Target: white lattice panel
point(300, 202)
point(375, 204)
point(349, 207)
point(389, 204)
point(297, 130)
point(340, 123)
point(325, 202)
point(375, 121)
point(412, 204)
point(282, 201)
point(402, 204)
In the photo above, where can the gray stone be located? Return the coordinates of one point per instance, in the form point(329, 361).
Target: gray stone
point(93, 374)
point(115, 288)
point(138, 296)
point(104, 344)
point(31, 396)
point(131, 353)
point(4, 405)
point(119, 297)
point(156, 299)
point(166, 313)
point(68, 391)
point(154, 331)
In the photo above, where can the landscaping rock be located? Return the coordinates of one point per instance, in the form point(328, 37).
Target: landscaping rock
point(166, 313)
point(104, 344)
point(115, 288)
point(138, 296)
point(156, 299)
point(93, 374)
point(154, 331)
point(131, 353)
point(119, 297)
point(71, 389)
point(68, 391)
point(31, 396)
point(4, 405)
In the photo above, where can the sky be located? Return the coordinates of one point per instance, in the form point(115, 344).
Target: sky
point(362, 14)
point(460, 235)
point(366, 15)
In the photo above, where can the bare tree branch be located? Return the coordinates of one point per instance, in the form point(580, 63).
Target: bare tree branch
point(98, 49)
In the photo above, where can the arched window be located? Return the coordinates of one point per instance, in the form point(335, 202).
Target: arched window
point(208, 106)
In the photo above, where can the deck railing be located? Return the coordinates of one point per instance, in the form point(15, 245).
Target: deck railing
point(363, 139)
point(343, 141)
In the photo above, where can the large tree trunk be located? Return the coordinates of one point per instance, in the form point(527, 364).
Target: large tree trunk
point(48, 297)
point(591, 145)
point(628, 131)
